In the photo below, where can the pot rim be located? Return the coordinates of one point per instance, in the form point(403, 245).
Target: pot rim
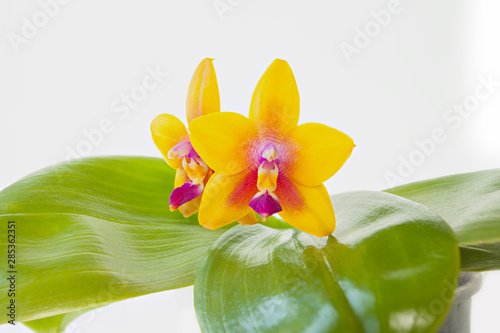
point(469, 283)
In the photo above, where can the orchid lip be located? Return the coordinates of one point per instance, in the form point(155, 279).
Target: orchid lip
point(265, 204)
point(187, 192)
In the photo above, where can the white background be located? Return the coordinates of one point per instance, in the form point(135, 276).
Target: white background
point(63, 81)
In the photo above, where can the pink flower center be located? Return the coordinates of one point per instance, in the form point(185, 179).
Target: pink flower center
point(192, 163)
point(196, 171)
point(266, 203)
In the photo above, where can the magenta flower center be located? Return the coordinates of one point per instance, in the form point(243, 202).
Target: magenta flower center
point(192, 163)
point(266, 203)
point(196, 171)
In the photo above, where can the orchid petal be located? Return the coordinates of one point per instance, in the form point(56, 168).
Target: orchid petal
point(306, 208)
point(318, 152)
point(181, 177)
point(275, 104)
point(203, 93)
point(249, 219)
point(167, 132)
point(226, 198)
point(191, 207)
point(223, 141)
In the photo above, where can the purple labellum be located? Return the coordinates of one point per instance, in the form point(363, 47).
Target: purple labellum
point(185, 193)
point(265, 204)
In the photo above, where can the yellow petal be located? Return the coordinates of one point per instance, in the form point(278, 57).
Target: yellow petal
point(226, 198)
point(306, 208)
point(167, 131)
point(249, 219)
point(319, 152)
point(181, 177)
point(223, 141)
point(275, 105)
point(203, 93)
point(190, 207)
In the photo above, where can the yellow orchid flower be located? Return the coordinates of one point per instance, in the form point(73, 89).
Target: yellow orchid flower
point(172, 139)
point(268, 163)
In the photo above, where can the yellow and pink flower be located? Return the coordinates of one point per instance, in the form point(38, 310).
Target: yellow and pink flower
point(172, 139)
point(267, 163)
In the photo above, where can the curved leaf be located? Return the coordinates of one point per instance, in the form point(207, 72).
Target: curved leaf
point(483, 257)
point(93, 231)
point(55, 324)
point(470, 203)
point(391, 267)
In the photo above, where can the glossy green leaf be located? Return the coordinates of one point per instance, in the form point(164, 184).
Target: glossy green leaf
point(470, 203)
point(391, 266)
point(97, 230)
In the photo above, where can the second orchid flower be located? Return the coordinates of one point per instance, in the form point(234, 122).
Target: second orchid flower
point(172, 139)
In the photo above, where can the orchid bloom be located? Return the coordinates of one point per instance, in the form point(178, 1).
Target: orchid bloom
point(172, 139)
point(268, 164)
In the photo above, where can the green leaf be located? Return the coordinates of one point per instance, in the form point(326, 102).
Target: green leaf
point(480, 258)
point(391, 267)
point(55, 324)
point(470, 203)
point(95, 231)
